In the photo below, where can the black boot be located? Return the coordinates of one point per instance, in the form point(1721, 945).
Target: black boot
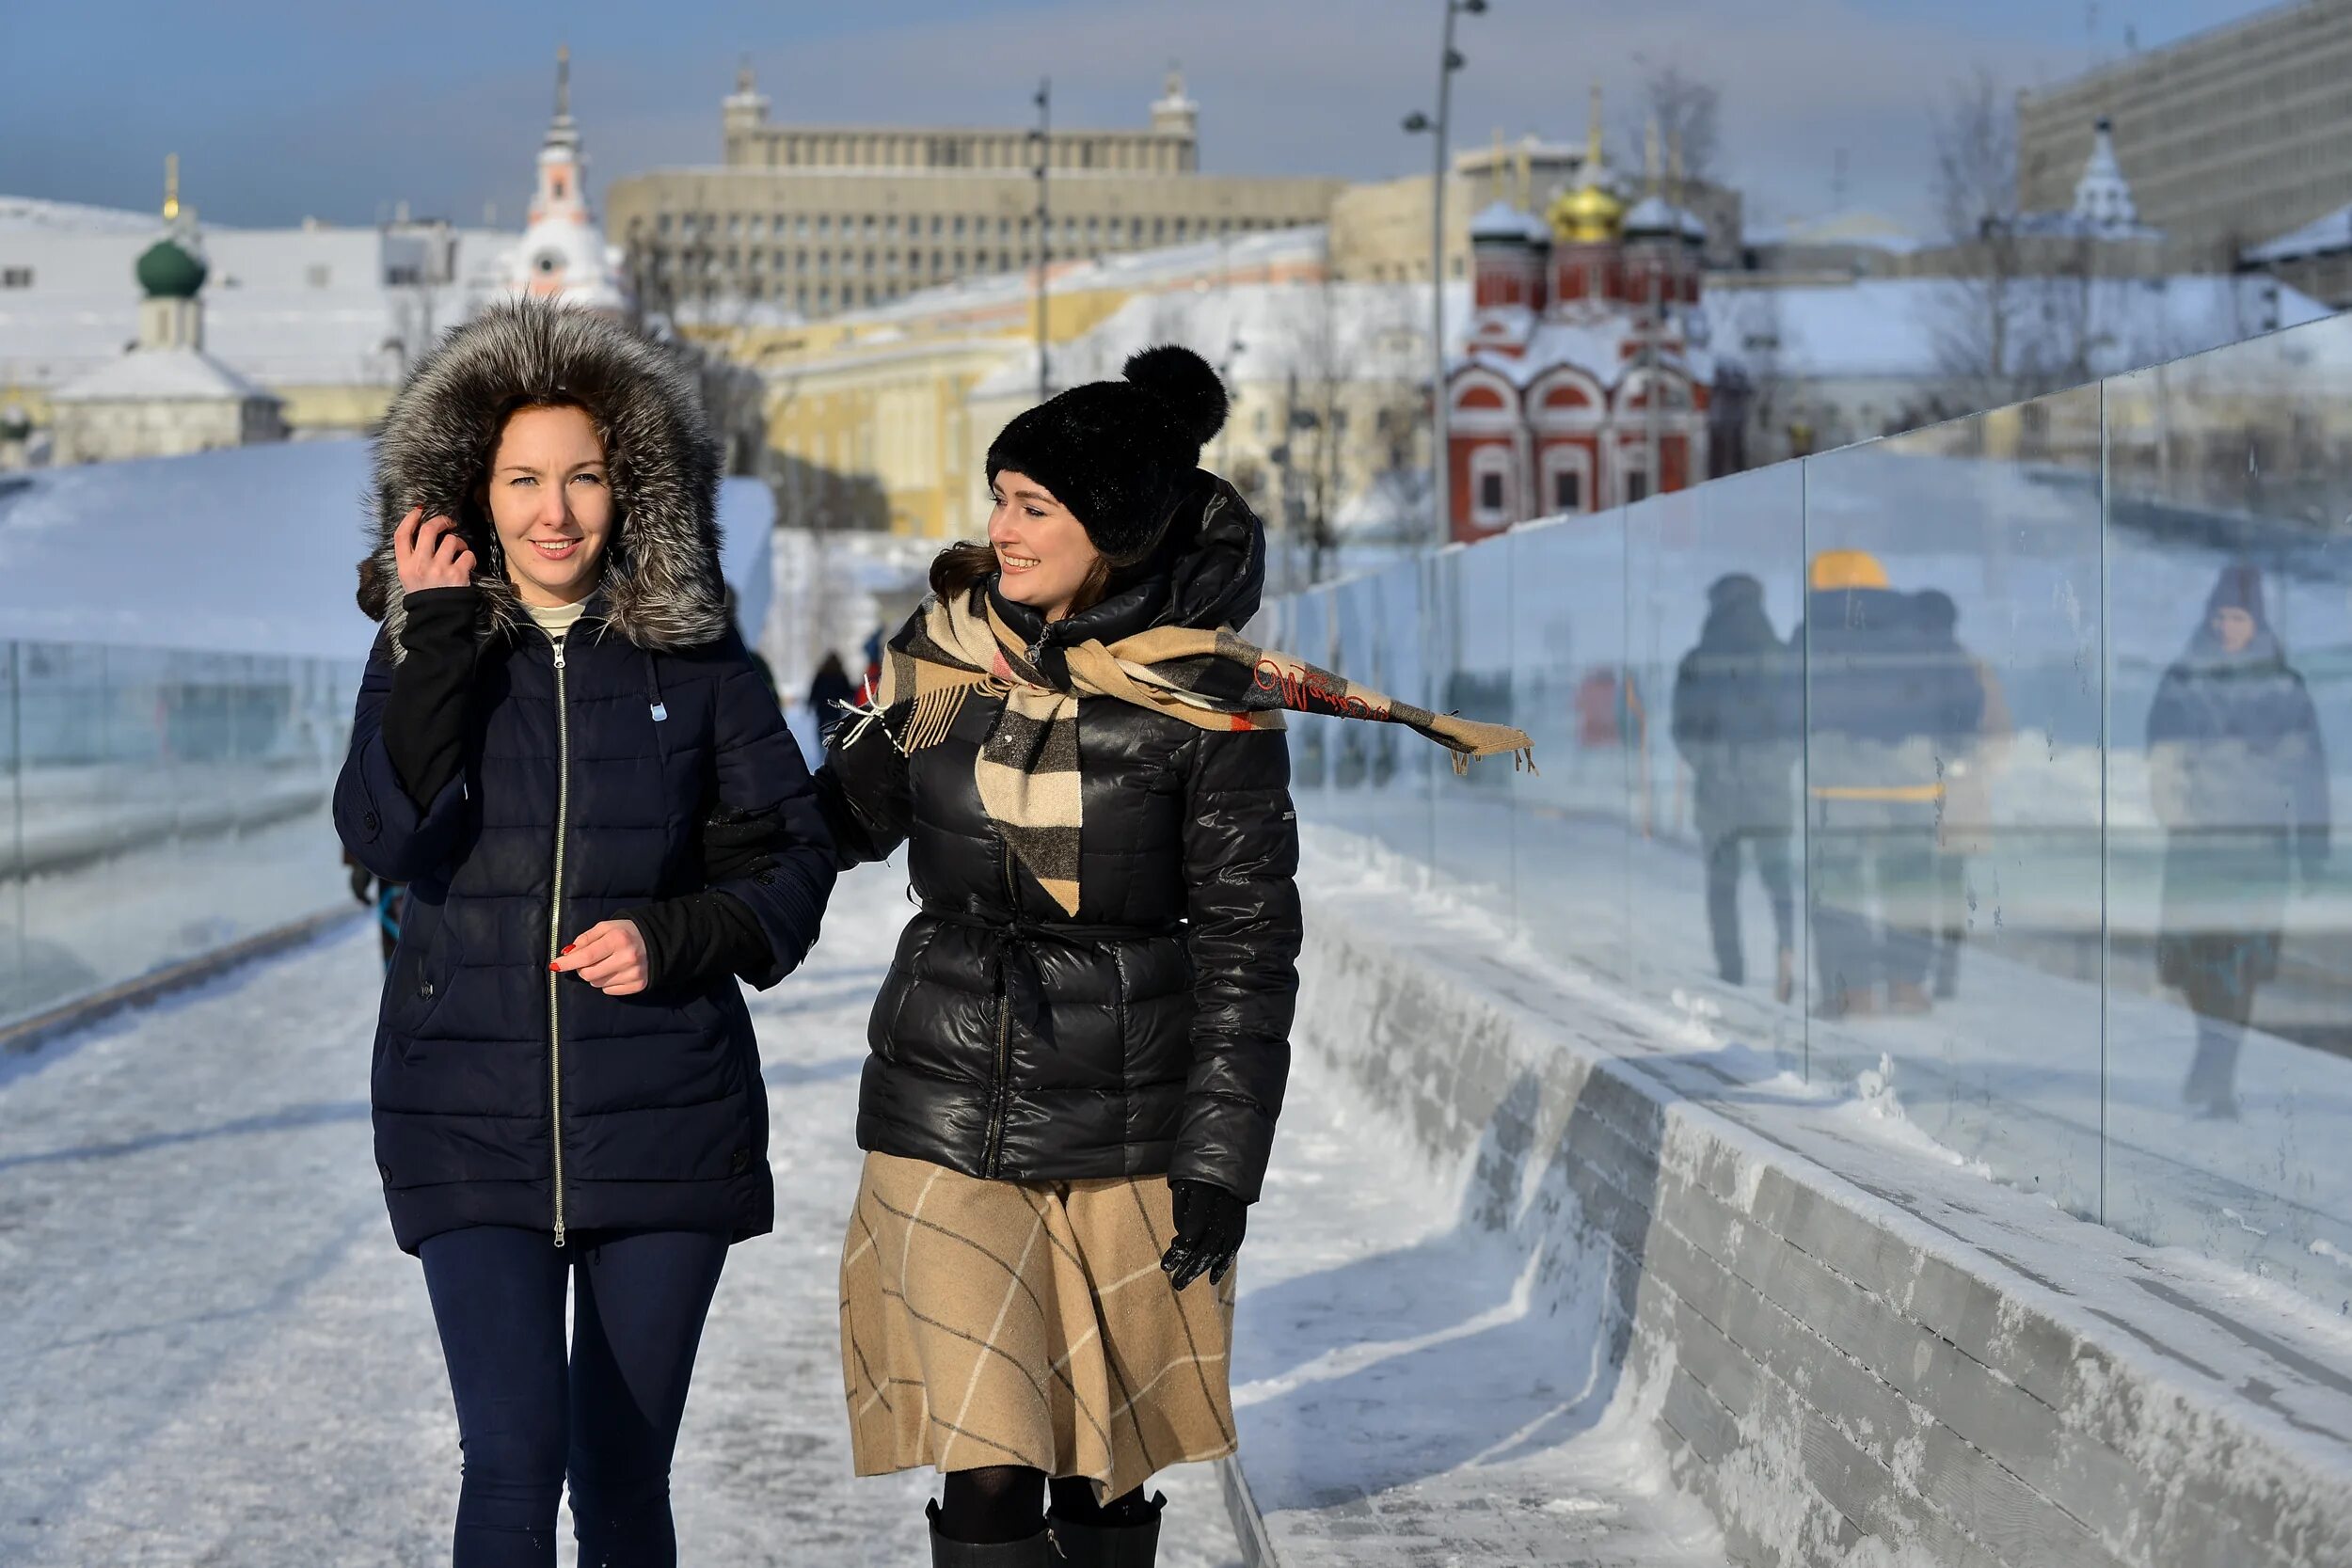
point(1034, 1552)
point(1135, 1545)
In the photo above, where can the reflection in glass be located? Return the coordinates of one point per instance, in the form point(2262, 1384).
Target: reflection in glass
point(1739, 718)
point(156, 804)
point(2238, 774)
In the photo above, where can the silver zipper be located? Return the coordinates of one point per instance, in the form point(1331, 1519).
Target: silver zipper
point(555, 932)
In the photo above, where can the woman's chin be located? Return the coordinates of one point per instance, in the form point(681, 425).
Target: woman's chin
point(564, 587)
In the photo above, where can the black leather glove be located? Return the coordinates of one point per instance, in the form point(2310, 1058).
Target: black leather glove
point(735, 844)
point(1210, 1223)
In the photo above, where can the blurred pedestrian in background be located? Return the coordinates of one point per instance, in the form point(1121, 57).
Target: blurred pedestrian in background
point(827, 691)
point(1888, 703)
point(1739, 717)
point(2239, 776)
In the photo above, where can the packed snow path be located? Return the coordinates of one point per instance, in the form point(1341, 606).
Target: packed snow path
point(212, 1353)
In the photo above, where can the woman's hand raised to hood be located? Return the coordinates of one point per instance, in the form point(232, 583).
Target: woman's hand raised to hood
point(431, 553)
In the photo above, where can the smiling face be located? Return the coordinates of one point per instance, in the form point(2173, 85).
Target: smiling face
point(1044, 556)
point(551, 502)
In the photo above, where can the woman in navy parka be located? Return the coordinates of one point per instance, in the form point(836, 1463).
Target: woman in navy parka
point(566, 1089)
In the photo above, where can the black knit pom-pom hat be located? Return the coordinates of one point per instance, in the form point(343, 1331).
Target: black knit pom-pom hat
point(1117, 453)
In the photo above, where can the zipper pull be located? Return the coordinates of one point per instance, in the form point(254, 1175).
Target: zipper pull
point(559, 1233)
point(559, 653)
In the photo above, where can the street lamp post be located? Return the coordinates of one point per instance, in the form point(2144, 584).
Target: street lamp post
point(1449, 61)
point(1043, 137)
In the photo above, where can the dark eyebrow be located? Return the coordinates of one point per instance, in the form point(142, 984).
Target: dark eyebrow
point(1035, 496)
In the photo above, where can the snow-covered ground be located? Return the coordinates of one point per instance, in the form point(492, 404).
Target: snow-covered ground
point(211, 1351)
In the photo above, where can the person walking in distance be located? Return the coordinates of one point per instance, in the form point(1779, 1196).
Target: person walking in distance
point(2239, 776)
point(1079, 1054)
point(1887, 705)
point(566, 1086)
point(1738, 722)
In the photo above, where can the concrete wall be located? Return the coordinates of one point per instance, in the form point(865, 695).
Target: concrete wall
point(1855, 1354)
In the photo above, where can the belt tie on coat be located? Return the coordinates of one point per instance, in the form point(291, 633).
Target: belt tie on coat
point(1016, 938)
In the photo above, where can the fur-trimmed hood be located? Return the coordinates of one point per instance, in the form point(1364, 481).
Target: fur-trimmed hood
point(662, 586)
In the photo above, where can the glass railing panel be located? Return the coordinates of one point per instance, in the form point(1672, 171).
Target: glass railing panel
point(1951, 641)
point(1471, 827)
point(160, 804)
point(1715, 586)
point(1571, 690)
point(2229, 955)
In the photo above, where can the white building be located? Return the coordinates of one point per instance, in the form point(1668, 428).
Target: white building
point(167, 397)
point(327, 319)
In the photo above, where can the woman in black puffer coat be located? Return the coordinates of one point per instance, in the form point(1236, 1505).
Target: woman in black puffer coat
point(566, 1089)
point(1079, 1055)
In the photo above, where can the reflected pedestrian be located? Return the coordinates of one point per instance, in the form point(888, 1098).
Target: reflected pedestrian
point(1886, 707)
point(2239, 776)
point(1965, 829)
point(1081, 1048)
point(1738, 722)
point(566, 1086)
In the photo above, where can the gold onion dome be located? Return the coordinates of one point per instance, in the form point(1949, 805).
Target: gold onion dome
point(1591, 214)
point(1588, 214)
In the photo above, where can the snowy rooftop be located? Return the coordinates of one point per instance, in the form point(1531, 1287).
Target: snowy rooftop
point(160, 375)
point(1853, 227)
point(1255, 333)
point(25, 213)
point(320, 306)
point(2315, 238)
point(1901, 327)
point(251, 550)
point(1126, 269)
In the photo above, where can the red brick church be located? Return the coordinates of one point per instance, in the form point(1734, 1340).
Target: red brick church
point(1578, 386)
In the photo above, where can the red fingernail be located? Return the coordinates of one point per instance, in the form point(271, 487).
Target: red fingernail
point(568, 949)
point(551, 969)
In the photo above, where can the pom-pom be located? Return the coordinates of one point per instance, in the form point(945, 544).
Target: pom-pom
point(1186, 383)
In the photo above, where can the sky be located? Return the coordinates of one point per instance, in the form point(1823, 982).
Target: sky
point(284, 110)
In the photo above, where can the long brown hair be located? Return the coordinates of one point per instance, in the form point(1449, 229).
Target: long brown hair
point(964, 566)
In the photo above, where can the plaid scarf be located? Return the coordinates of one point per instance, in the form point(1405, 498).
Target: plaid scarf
point(1027, 768)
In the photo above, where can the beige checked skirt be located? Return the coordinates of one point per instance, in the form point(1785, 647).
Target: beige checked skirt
point(1006, 1322)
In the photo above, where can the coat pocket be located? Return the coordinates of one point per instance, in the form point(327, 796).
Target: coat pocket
point(423, 967)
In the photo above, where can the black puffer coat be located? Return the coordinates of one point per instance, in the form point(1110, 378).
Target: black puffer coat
point(502, 1098)
point(1149, 1034)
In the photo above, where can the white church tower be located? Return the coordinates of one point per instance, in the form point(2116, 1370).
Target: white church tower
point(563, 254)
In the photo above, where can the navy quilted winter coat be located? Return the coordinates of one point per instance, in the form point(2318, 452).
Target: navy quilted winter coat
point(503, 1095)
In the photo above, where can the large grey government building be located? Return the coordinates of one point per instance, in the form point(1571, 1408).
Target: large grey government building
point(2232, 138)
point(819, 219)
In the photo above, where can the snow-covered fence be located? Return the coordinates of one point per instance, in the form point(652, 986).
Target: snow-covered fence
point(1852, 1347)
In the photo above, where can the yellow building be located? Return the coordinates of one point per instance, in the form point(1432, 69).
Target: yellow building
point(868, 424)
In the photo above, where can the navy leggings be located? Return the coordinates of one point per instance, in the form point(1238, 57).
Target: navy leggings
point(606, 1415)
